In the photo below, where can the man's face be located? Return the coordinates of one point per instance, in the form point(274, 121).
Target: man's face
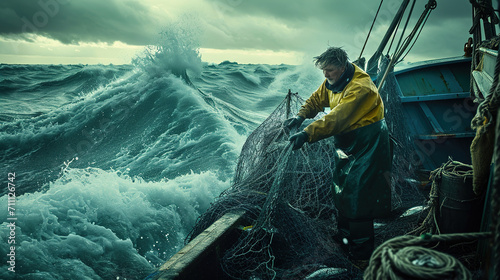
point(332, 73)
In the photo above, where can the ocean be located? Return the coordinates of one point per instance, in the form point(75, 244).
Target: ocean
point(105, 168)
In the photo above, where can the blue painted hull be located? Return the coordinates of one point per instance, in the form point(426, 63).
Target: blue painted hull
point(438, 109)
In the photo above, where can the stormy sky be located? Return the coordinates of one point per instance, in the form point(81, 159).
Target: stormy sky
point(256, 31)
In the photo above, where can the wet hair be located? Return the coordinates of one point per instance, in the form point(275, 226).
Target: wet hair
point(332, 56)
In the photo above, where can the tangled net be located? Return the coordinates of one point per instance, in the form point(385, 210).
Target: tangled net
point(405, 162)
point(287, 199)
point(288, 203)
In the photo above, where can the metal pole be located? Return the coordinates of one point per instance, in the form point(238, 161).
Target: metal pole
point(488, 19)
point(288, 98)
point(430, 5)
point(372, 66)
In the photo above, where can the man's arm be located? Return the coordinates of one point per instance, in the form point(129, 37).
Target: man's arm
point(315, 103)
point(359, 102)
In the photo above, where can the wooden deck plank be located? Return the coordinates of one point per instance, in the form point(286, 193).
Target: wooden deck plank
point(201, 251)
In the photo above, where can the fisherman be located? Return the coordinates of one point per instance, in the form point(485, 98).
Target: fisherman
point(362, 159)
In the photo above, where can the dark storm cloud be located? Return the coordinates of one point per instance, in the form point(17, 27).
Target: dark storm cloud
point(71, 21)
point(304, 25)
point(285, 25)
point(328, 11)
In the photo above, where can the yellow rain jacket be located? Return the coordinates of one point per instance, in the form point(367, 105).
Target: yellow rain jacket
point(359, 104)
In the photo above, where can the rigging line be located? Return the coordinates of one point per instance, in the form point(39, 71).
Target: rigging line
point(406, 25)
point(393, 36)
point(409, 49)
point(368, 36)
point(421, 21)
point(431, 5)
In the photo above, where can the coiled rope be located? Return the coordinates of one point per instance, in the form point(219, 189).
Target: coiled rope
point(403, 257)
point(452, 168)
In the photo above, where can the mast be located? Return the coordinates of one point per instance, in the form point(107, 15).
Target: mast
point(372, 66)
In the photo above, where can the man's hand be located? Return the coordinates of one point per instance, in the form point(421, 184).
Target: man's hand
point(298, 139)
point(293, 122)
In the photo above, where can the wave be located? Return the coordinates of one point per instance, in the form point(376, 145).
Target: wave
point(101, 224)
point(80, 79)
point(155, 126)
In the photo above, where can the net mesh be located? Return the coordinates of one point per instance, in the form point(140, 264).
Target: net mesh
point(406, 163)
point(288, 201)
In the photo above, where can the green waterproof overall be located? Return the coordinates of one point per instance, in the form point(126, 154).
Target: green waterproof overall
point(362, 183)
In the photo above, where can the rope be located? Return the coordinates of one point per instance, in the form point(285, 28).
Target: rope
point(371, 27)
point(431, 5)
point(406, 25)
point(487, 108)
point(393, 37)
point(494, 100)
point(451, 168)
point(414, 41)
point(485, 11)
point(403, 257)
point(495, 202)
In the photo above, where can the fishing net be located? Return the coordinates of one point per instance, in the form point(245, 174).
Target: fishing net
point(405, 161)
point(288, 203)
